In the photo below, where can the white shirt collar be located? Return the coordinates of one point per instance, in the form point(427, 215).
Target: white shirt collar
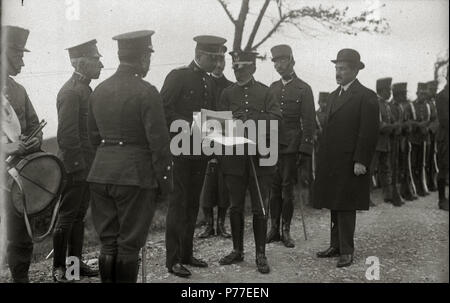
point(346, 86)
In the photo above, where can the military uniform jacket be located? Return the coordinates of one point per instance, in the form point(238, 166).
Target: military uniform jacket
point(386, 120)
point(219, 85)
point(127, 126)
point(252, 101)
point(74, 148)
point(442, 112)
point(434, 122)
point(20, 102)
point(298, 115)
point(422, 113)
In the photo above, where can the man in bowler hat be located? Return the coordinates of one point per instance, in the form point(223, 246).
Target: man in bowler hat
point(346, 149)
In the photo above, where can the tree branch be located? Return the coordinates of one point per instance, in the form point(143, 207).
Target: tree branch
point(239, 25)
point(256, 25)
point(273, 30)
point(227, 11)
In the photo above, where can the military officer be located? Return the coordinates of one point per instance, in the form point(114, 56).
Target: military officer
point(420, 138)
point(214, 189)
point(403, 107)
point(19, 119)
point(187, 90)
point(127, 127)
point(442, 136)
point(381, 161)
point(395, 138)
point(247, 99)
point(431, 164)
point(296, 141)
point(77, 154)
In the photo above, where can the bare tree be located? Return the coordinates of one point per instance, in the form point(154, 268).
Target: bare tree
point(329, 18)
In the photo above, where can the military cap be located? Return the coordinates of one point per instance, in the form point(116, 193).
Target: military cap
point(399, 87)
point(323, 97)
point(422, 87)
point(242, 58)
point(349, 55)
point(87, 49)
point(134, 43)
point(432, 84)
point(16, 37)
point(384, 83)
point(211, 45)
point(279, 51)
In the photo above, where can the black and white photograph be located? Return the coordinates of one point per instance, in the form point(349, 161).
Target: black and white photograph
point(224, 146)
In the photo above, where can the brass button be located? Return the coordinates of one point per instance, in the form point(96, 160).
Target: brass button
point(165, 177)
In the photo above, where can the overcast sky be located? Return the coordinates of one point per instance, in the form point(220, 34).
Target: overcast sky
point(419, 33)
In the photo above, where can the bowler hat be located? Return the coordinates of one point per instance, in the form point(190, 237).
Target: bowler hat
point(349, 55)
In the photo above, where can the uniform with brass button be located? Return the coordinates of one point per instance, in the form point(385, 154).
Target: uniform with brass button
point(187, 90)
point(248, 99)
point(420, 139)
point(402, 109)
point(19, 119)
point(296, 137)
point(431, 161)
point(76, 153)
point(381, 163)
point(132, 163)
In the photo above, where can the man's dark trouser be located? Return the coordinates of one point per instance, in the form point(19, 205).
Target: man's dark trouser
point(122, 216)
point(214, 188)
point(188, 175)
point(237, 188)
point(343, 231)
point(69, 229)
point(20, 246)
point(282, 190)
point(418, 168)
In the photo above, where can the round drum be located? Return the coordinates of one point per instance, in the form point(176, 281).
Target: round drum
point(41, 175)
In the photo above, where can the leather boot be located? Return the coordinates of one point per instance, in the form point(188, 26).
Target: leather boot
point(221, 231)
point(387, 193)
point(274, 233)
point(60, 236)
point(443, 201)
point(209, 228)
point(396, 197)
point(107, 268)
point(286, 236)
point(237, 232)
point(127, 270)
point(75, 248)
point(259, 231)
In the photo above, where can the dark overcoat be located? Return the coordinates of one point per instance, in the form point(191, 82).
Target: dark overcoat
point(349, 136)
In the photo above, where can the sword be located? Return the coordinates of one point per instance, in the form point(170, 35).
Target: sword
point(257, 187)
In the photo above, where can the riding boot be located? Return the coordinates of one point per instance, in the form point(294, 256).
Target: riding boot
point(107, 267)
point(259, 231)
point(286, 236)
point(209, 228)
point(60, 236)
point(236, 231)
point(75, 248)
point(387, 193)
point(221, 231)
point(274, 233)
point(396, 197)
point(127, 269)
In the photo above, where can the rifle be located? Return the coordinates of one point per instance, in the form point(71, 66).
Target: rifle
point(33, 134)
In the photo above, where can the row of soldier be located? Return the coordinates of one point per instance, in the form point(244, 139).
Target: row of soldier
point(114, 143)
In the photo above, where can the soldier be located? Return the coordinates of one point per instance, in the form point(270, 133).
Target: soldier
point(395, 138)
point(247, 99)
point(431, 162)
point(214, 189)
point(346, 150)
point(187, 90)
point(321, 115)
point(442, 144)
point(77, 154)
point(127, 127)
point(381, 161)
point(420, 138)
point(296, 141)
point(404, 108)
point(19, 119)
